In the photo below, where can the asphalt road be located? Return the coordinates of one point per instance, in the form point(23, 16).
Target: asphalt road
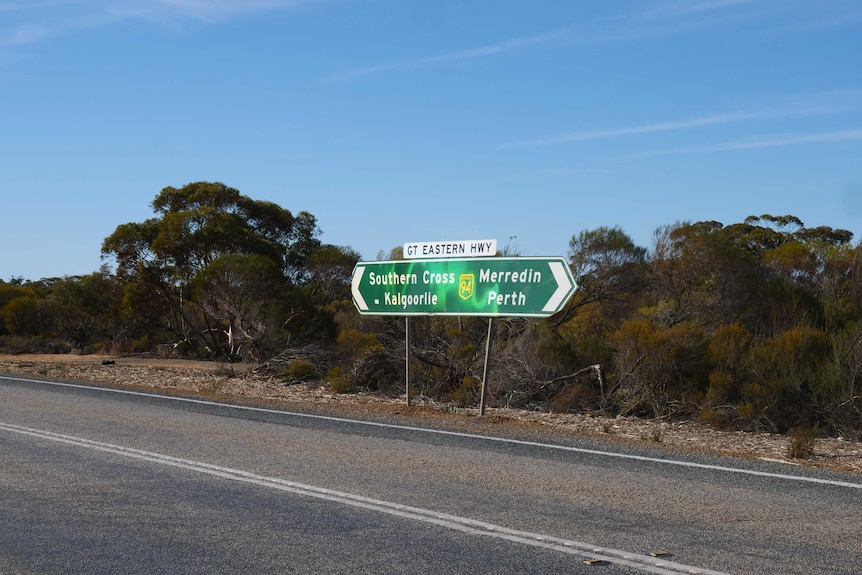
point(95, 481)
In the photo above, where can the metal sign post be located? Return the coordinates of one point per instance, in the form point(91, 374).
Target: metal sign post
point(485, 371)
point(408, 342)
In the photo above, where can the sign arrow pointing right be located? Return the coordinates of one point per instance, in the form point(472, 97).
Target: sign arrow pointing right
point(565, 287)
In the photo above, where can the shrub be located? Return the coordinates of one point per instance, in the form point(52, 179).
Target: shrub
point(378, 371)
point(301, 369)
point(801, 445)
point(355, 343)
point(720, 417)
point(142, 344)
point(468, 392)
point(20, 316)
point(18, 345)
point(339, 382)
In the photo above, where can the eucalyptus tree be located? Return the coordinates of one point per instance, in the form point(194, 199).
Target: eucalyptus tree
point(806, 273)
point(8, 292)
point(329, 271)
point(699, 274)
point(165, 261)
point(607, 265)
point(88, 310)
point(611, 273)
point(573, 346)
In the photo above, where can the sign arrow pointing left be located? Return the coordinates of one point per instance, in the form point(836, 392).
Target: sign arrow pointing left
point(354, 288)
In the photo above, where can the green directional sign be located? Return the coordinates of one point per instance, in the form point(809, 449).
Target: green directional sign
point(491, 287)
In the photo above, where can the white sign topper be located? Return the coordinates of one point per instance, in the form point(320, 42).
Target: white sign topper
point(453, 249)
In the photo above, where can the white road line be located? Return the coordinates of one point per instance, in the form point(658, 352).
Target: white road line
point(565, 448)
point(579, 549)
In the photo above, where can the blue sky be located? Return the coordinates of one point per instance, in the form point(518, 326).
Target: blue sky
point(393, 121)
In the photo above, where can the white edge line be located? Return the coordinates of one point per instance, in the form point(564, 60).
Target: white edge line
point(566, 448)
point(455, 522)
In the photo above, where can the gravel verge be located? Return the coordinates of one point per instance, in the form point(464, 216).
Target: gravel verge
point(240, 384)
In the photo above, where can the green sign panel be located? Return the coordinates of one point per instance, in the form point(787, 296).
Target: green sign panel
point(492, 287)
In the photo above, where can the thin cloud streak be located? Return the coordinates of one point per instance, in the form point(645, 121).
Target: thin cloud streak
point(668, 18)
point(665, 19)
point(678, 11)
point(24, 35)
point(687, 7)
point(717, 119)
point(212, 11)
point(40, 21)
point(460, 55)
point(773, 141)
point(507, 46)
point(635, 130)
point(819, 24)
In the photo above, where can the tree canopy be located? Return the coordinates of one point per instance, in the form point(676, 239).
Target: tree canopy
point(752, 325)
point(219, 266)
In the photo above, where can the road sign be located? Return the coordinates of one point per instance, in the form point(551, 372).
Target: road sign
point(454, 249)
point(490, 287)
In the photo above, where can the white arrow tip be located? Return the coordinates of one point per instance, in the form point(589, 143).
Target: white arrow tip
point(565, 287)
point(358, 300)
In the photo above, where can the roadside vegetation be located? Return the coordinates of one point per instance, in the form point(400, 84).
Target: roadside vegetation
point(754, 325)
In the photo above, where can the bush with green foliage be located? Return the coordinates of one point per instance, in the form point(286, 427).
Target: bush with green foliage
point(338, 381)
point(753, 325)
point(301, 370)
